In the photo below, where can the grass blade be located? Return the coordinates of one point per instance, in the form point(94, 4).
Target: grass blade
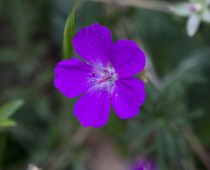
point(69, 31)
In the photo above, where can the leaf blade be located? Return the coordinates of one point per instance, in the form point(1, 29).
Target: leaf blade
point(69, 31)
point(4, 123)
point(10, 108)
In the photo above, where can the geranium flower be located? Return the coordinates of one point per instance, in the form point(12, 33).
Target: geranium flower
point(196, 11)
point(103, 78)
point(144, 164)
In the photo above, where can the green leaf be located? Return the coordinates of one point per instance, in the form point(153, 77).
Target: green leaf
point(182, 119)
point(160, 148)
point(6, 123)
point(143, 138)
point(69, 31)
point(140, 135)
point(168, 135)
point(9, 109)
point(182, 146)
point(68, 36)
point(182, 74)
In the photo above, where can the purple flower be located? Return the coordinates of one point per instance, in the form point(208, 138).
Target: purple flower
point(105, 76)
point(144, 164)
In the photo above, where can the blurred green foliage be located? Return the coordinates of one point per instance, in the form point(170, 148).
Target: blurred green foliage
point(6, 111)
point(165, 116)
point(49, 136)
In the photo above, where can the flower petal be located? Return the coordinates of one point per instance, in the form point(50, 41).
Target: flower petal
point(127, 58)
point(128, 96)
point(193, 24)
point(181, 9)
point(206, 15)
point(73, 77)
point(207, 2)
point(93, 108)
point(93, 43)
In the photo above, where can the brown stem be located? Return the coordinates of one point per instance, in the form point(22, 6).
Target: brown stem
point(62, 154)
point(197, 147)
point(147, 4)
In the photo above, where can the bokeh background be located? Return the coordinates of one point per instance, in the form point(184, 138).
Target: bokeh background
point(173, 128)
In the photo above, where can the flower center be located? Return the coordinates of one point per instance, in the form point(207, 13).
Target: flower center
point(105, 77)
point(195, 7)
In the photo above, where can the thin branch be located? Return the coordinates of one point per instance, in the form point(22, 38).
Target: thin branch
point(149, 74)
point(81, 135)
point(147, 4)
point(62, 154)
point(197, 147)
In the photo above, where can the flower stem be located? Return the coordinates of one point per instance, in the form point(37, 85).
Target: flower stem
point(197, 147)
point(147, 4)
